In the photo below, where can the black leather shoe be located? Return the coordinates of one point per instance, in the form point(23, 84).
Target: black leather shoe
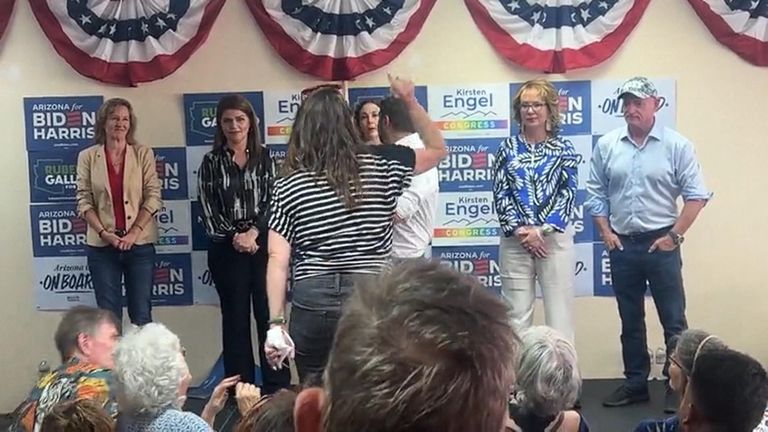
point(671, 401)
point(624, 396)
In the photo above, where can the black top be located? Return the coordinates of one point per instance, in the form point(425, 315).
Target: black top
point(234, 199)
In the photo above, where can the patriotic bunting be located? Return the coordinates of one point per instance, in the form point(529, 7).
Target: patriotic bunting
point(741, 25)
point(126, 42)
point(570, 34)
point(340, 39)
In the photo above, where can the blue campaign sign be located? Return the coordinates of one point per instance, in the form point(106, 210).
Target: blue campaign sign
point(52, 176)
point(200, 115)
point(278, 151)
point(602, 271)
point(479, 261)
point(172, 280)
point(356, 95)
point(200, 240)
point(58, 123)
point(574, 103)
point(583, 225)
point(468, 166)
point(57, 230)
point(171, 165)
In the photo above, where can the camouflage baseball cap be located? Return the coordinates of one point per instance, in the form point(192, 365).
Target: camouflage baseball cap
point(641, 87)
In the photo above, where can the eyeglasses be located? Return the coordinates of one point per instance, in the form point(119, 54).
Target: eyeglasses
point(537, 106)
point(674, 361)
point(308, 91)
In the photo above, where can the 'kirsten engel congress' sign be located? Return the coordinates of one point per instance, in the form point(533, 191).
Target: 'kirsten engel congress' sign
point(57, 123)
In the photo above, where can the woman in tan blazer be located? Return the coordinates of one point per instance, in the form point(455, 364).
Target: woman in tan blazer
point(118, 193)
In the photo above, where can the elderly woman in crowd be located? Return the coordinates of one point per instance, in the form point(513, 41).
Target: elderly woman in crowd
point(118, 193)
point(152, 379)
point(548, 383)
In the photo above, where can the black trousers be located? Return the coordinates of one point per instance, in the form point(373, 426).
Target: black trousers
point(241, 282)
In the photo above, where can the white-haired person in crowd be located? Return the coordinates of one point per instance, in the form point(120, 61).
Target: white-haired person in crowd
point(152, 378)
point(548, 383)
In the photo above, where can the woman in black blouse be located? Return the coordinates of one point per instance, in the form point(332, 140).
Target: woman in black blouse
point(234, 183)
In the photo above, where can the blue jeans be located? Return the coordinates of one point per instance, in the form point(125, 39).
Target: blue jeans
point(633, 270)
point(108, 266)
point(315, 311)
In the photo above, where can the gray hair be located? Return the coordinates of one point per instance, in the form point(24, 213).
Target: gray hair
point(149, 367)
point(548, 377)
point(693, 341)
point(76, 321)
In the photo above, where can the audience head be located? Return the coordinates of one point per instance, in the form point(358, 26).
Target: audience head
point(236, 122)
point(150, 370)
point(115, 120)
point(80, 415)
point(727, 391)
point(367, 114)
point(273, 413)
point(89, 334)
point(324, 139)
point(689, 344)
point(536, 105)
point(394, 119)
point(547, 379)
point(420, 348)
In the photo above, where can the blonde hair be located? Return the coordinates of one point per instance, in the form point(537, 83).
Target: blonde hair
point(551, 99)
point(106, 109)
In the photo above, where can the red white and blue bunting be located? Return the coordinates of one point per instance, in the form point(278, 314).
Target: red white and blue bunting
point(126, 42)
point(6, 9)
point(741, 25)
point(340, 39)
point(556, 36)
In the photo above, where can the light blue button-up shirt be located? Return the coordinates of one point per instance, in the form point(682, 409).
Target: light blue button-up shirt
point(637, 187)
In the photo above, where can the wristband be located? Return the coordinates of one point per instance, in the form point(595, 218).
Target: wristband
point(280, 320)
point(101, 232)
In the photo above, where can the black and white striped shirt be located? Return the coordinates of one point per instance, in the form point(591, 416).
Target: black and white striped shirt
point(328, 237)
point(234, 199)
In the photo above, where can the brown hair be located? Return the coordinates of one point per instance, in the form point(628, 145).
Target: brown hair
point(421, 348)
point(551, 99)
point(76, 321)
point(272, 413)
point(325, 141)
point(102, 115)
point(253, 146)
point(83, 415)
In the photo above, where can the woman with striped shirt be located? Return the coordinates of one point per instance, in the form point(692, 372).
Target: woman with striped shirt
point(334, 211)
point(234, 182)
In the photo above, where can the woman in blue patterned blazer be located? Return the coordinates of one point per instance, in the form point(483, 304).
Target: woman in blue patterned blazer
point(534, 190)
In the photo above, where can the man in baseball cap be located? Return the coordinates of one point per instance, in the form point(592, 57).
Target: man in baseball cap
point(638, 171)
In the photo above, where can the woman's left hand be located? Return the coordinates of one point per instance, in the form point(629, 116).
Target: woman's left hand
point(533, 241)
point(218, 399)
point(126, 242)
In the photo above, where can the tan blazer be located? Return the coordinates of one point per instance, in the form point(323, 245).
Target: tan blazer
point(141, 189)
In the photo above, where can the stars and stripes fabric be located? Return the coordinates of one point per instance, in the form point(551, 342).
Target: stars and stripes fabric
point(556, 36)
point(126, 42)
point(741, 25)
point(340, 39)
point(6, 9)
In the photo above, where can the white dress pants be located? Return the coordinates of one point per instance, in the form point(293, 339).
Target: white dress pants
point(555, 274)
